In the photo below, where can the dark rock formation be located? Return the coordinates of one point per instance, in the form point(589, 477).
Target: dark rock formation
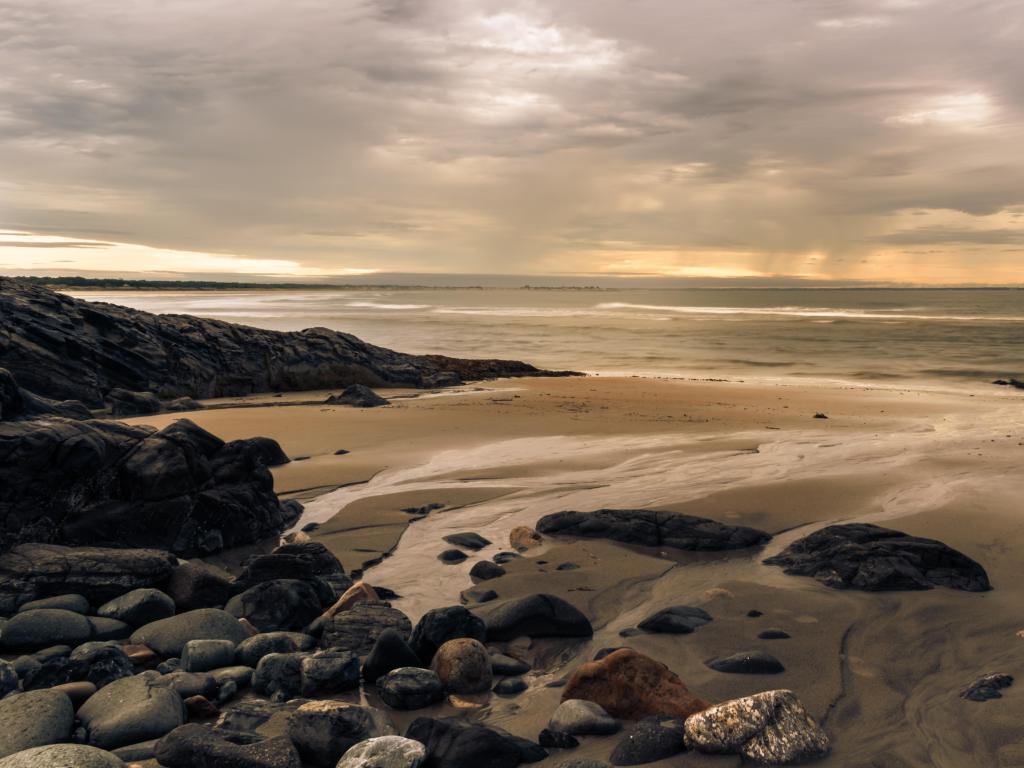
point(468, 540)
point(194, 746)
point(357, 395)
point(534, 616)
point(453, 743)
point(748, 663)
point(66, 348)
point(357, 629)
point(18, 403)
point(410, 688)
point(652, 528)
point(986, 687)
point(104, 483)
point(677, 620)
point(874, 559)
point(439, 625)
point(650, 739)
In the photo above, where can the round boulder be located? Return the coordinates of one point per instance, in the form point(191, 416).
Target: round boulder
point(138, 607)
point(45, 626)
point(63, 756)
point(410, 688)
point(463, 666)
point(440, 625)
point(168, 636)
point(384, 752)
point(34, 719)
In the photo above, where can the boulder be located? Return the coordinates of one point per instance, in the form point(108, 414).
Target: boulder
point(252, 649)
point(108, 629)
point(485, 570)
point(534, 616)
point(650, 739)
point(277, 605)
point(454, 743)
point(385, 752)
point(632, 686)
point(138, 607)
point(329, 672)
point(390, 651)
point(522, 538)
point(651, 528)
point(74, 603)
point(439, 625)
point(677, 620)
point(196, 584)
point(557, 740)
point(168, 636)
point(463, 666)
point(204, 655)
point(871, 558)
point(578, 717)
point(410, 688)
point(748, 663)
point(357, 395)
point(267, 449)
point(770, 728)
point(131, 710)
point(34, 719)
point(306, 561)
point(279, 675)
point(468, 540)
point(323, 731)
point(125, 403)
point(478, 595)
point(101, 663)
point(195, 746)
point(45, 626)
point(33, 571)
point(356, 630)
point(63, 756)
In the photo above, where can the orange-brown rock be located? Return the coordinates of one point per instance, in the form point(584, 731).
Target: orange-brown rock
point(141, 655)
point(464, 666)
point(632, 686)
point(360, 592)
point(522, 538)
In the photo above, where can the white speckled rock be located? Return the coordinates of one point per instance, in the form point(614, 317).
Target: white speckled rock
point(384, 752)
point(770, 728)
point(62, 756)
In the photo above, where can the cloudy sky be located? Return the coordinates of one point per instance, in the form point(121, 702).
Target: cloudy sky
point(829, 139)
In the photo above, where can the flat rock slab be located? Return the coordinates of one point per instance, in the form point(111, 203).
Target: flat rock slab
point(168, 636)
point(748, 663)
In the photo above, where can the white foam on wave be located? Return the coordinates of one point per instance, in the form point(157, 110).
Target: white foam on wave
point(383, 305)
point(816, 312)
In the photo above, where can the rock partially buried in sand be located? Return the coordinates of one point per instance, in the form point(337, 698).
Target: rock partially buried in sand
point(651, 528)
point(677, 620)
point(650, 739)
point(62, 756)
point(871, 558)
point(534, 616)
point(748, 663)
point(452, 556)
point(467, 540)
point(632, 686)
point(485, 570)
point(357, 395)
point(986, 687)
point(770, 728)
point(522, 538)
point(385, 752)
point(578, 717)
point(463, 666)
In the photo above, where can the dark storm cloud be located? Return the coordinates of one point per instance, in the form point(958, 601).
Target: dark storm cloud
point(515, 136)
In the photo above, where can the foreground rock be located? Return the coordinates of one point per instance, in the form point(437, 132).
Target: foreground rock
point(33, 571)
point(195, 746)
point(439, 625)
point(410, 688)
point(138, 607)
point(323, 731)
point(463, 666)
point(871, 558)
point(630, 685)
point(63, 756)
point(105, 483)
point(168, 636)
point(987, 687)
point(45, 626)
point(650, 739)
point(770, 728)
point(390, 651)
point(385, 752)
point(578, 717)
point(534, 616)
point(356, 630)
point(34, 719)
point(652, 528)
point(358, 396)
point(131, 710)
point(454, 743)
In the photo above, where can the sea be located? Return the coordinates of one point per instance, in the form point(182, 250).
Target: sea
point(941, 336)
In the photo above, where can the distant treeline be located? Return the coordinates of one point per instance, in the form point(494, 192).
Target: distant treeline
point(118, 283)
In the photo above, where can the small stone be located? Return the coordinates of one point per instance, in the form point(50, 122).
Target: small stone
point(484, 570)
point(78, 691)
point(522, 538)
point(138, 607)
point(439, 625)
point(566, 567)
point(45, 626)
point(199, 707)
point(323, 731)
point(329, 672)
point(677, 620)
point(505, 557)
point(582, 718)
point(773, 634)
point(557, 740)
point(986, 687)
point(511, 686)
point(168, 636)
point(754, 614)
point(249, 652)
point(452, 556)
point(389, 652)
point(73, 603)
point(502, 664)
point(748, 663)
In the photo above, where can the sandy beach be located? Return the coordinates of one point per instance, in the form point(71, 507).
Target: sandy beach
point(881, 671)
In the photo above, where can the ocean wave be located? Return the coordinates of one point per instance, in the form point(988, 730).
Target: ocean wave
point(817, 312)
point(382, 305)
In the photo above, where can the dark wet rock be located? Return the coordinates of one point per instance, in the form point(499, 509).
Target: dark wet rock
point(126, 403)
point(310, 561)
point(424, 509)
point(507, 665)
point(871, 558)
point(820, 415)
point(583, 762)
point(630, 632)
point(268, 450)
point(279, 605)
point(78, 691)
point(452, 556)
point(439, 625)
point(183, 404)
point(8, 678)
point(529, 751)
point(90, 483)
point(108, 629)
point(169, 665)
point(630, 685)
point(987, 687)
point(138, 607)
point(390, 651)
point(131, 710)
point(505, 557)
point(650, 739)
point(748, 663)
point(63, 347)
point(356, 630)
point(557, 740)
point(484, 570)
point(17, 403)
point(61, 756)
point(251, 650)
point(34, 571)
point(323, 731)
point(652, 528)
point(204, 655)
point(773, 634)
point(567, 567)
point(463, 666)
point(195, 746)
point(358, 395)
point(329, 672)
point(38, 628)
point(770, 728)
point(188, 684)
point(582, 718)
point(199, 585)
point(73, 603)
point(454, 743)
point(754, 614)
point(200, 708)
point(247, 715)
point(410, 688)
point(33, 719)
point(238, 674)
point(168, 636)
point(38, 672)
point(478, 595)
point(279, 675)
point(511, 686)
point(534, 616)
point(385, 752)
point(677, 620)
point(101, 663)
point(467, 540)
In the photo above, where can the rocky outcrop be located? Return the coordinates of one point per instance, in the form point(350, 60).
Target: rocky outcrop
point(875, 559)
point(105, 483)
point(18, 403)
point(65, 348)
point(651, 528)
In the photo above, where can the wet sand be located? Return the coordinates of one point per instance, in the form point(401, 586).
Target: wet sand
point(881, 671)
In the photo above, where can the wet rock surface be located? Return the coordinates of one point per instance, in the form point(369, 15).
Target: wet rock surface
point(652, 528)
point(650, 739)
point(534, 616)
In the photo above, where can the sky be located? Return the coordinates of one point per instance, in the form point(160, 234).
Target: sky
point(825, 140)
